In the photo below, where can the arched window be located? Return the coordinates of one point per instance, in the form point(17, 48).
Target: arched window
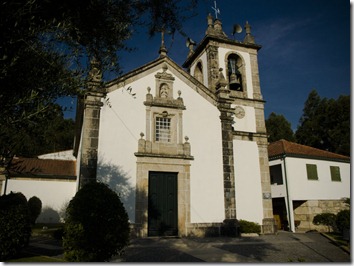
point(234, 65)
point(198, 72)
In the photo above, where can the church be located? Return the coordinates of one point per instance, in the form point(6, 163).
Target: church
point(186, 146)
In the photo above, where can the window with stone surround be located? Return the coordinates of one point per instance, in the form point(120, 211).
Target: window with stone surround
point(311, 172)
point(163, 129)
point(335, 173)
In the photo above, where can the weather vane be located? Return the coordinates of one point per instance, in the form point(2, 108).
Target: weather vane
point(217, 10)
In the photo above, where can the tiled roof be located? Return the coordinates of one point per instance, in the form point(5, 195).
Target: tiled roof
point(282, 147)
point(42, 168)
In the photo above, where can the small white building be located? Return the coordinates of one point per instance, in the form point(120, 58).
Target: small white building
point(53, 181)
point(306, 181)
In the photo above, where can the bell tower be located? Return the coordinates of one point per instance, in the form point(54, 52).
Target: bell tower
point(229, 69)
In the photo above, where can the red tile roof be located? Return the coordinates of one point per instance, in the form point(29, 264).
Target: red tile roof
point(42, 167)
point(282, 147)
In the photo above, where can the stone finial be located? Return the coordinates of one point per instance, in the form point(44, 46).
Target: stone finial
point(248, 38)
point(94, 78)
point(210, 20)
point(179, 93)
point(164, 67)
point(186, 138)
point(149, 97)
point(142, 135)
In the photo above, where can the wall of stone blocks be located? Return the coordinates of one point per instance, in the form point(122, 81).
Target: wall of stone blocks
point(305, 211)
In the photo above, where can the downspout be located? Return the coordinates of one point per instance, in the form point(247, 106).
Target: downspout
point(287, 194)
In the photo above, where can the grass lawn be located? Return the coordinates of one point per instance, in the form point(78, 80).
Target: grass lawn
point(338, 238)
point(36, 259)
point(50, 231)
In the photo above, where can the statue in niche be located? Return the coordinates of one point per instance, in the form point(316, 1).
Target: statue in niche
point(164, 91)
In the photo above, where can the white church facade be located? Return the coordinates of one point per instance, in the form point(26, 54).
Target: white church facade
point(188, 144)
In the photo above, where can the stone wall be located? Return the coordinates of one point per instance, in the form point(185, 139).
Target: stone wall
point(305, 211)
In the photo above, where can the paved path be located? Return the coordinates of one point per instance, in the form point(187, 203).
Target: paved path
point(284, 247)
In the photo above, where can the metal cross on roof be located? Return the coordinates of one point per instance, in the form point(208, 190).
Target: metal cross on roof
point(217, 10)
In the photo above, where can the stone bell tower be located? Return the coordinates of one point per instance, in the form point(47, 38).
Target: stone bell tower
point(229, 69)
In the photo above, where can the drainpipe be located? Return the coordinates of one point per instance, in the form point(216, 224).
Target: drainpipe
point(287, 195)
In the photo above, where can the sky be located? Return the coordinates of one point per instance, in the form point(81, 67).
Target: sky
point(305, 46)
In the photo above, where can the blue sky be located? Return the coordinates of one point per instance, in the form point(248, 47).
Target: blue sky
point(305, 46)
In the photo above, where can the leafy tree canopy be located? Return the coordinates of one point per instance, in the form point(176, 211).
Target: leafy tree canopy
point(279, 128)
point(46, 47)
point(325, 124)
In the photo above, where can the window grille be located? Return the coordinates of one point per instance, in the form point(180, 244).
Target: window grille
point(163, 129)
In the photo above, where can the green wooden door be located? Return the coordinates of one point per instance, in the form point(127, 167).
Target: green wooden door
point(162, 216)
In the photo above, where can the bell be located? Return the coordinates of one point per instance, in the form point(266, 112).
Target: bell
point(234, 83)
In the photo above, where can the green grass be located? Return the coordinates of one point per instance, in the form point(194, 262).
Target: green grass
point(338, 238)
point(36, 259)
point(46, 229)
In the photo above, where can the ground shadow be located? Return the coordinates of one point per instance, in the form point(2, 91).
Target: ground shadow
point(118, 180)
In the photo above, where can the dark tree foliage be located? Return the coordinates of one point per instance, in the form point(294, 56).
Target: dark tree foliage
point(46, 47)
point(96, 225)
point(325, 124)
point(35, 208)
point(39, 135)
point(279, 128)
point(327, 219)
point(15, 227)
point(343, 220)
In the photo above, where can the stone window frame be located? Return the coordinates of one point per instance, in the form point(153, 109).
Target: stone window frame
point(242, 93)
point(199, 67)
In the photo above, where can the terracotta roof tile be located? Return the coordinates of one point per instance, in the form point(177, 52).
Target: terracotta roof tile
point(42, 167)
point(282, 146)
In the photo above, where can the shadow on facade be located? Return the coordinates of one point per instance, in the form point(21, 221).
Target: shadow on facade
point(118, 180)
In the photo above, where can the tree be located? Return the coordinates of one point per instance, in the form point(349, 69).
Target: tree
point(327, 219)
point(325, 124)
point(279, 128)
point(35, 208)
point(96, 225)
point(15, 227)
point(50, 43)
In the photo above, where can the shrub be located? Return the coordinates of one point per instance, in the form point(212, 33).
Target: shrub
point(35, 208)
point(327, 219)
point(15, 227)
point(96, 225)
point(249, 227)
point(343, 220)
point(230, 227)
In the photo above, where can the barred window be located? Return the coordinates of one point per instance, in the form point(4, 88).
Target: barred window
point(163, 129)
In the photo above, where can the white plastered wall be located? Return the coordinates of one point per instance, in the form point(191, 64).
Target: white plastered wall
point(300, 188)
point(61, 192)
point(120, 128)
point(248, 122)
point(247, 181)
